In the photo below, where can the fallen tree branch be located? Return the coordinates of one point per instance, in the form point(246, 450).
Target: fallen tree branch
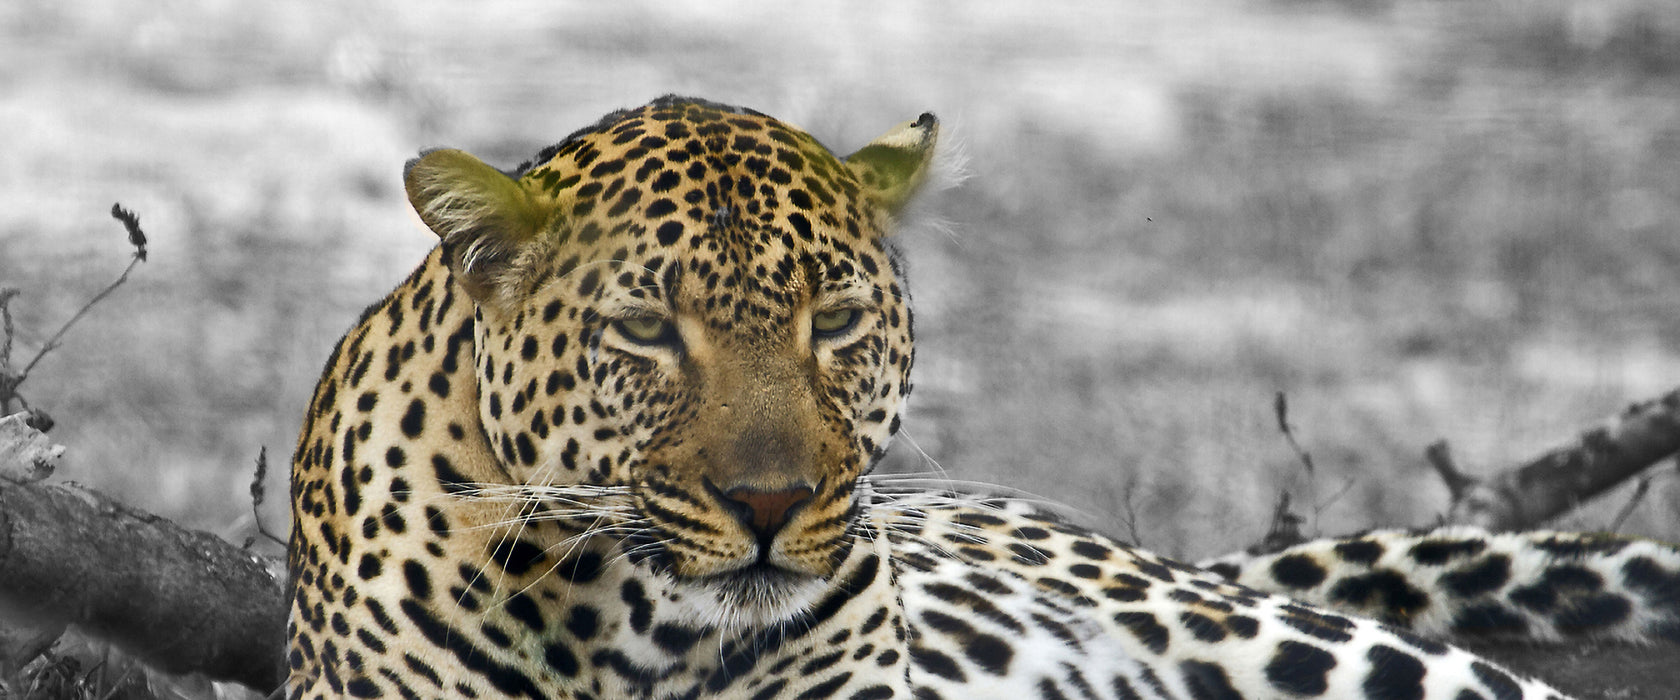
point(179, 599)
point(1529, 494)
point(1556, 482)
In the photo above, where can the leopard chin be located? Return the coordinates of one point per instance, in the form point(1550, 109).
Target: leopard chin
point(753, 597)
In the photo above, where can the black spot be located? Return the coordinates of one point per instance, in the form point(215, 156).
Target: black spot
point(527, 451)
point(1047, 690)
point(1488, 619)
point(392, 518)
point(1384, 594)
point(370, 640)
point(816, 665)
point(1144, 626)
point(421, 669)
point(414, 419)
point(452, 481)
point(874, 621)
point(352, 490)
point(369, 567)
point(1394, 675)
point(419, 583)
point(1202, 627)
point(937, 663)
point(826, 688)
point(977, 519)
point(1242, 626)
point(1225, 570)
point(669, 232)
point(1028, 554)
point(1577, 546)
point(377, 612)
point(561, 659)
point(1442, 551)
point(1123, 689)
point(660, 208)
point(437, 522)
point(1486, 576)
point(1298, 571)
point(1031, 533)
point(990, 653)
point(582, 621)
point(1500, 682)
point(1563, 582)
point(495, 635)
point(1645, 575)
point(1085, 571)
point(520, 607)
point(1593, 611)
point(517, 556)
point(1364, 552)
point(1300, 668)
point(801, 225)
point(641, 609)
point(1207, 681)
point(362, 688)
point(583, 568)
point(675, 639)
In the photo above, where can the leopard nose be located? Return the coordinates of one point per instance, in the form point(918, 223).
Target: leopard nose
point(764, 513)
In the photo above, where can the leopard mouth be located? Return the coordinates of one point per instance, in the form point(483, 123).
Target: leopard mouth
point(754, 596)
point(761, 576)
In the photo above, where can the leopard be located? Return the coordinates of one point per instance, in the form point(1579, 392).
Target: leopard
point(615, 437)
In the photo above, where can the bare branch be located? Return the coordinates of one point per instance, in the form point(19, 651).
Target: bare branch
point(1439, 455)
point(182, 600)
point(6, 296)
point(1280, 409)
point(1557, 481)
point(258, 494)
point(1639, 490)
point(26, 455)
point(135, 237)
point(1284, 531)
point(1129, 510)
point(131, 222)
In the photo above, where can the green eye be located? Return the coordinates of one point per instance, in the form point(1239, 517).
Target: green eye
point(833, 323)
point(647, 330)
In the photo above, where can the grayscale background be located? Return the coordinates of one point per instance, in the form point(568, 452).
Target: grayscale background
point(1419, 219)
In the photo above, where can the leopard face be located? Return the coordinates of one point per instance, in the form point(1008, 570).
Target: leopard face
point(698, 307)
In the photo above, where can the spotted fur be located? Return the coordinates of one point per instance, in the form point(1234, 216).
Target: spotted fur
point(612, 440)
point(1464, 582)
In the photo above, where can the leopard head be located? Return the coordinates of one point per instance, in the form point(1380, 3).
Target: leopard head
point(697, 306)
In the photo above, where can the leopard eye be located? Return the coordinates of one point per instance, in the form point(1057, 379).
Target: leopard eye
point(832, 323)
point(647, 330)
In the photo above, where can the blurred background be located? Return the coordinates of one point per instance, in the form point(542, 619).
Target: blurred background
point(1418, 219)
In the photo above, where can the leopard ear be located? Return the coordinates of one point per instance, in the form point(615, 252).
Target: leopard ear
point(484, 217)
point(893, 166)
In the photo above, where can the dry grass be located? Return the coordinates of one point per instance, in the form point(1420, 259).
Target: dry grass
point(1417, 219)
